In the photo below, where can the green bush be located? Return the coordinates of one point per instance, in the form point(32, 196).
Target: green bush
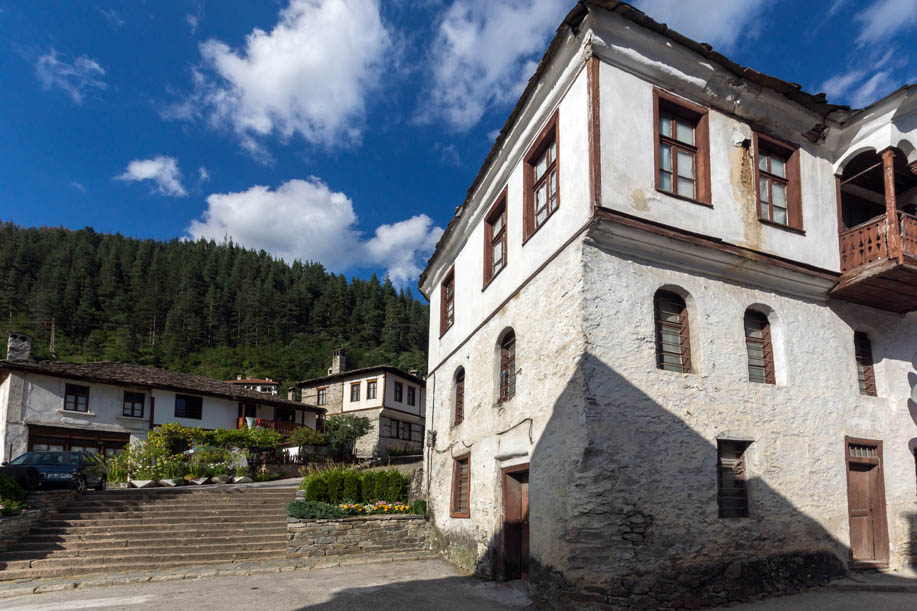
point(310, 510)
point(352, 491)
point(306, 436)
point(316, 488)
point(10, 490)
point(335, 482)
point(396, 487)
point(9, 507)
point(342, 430)
point(419, 507)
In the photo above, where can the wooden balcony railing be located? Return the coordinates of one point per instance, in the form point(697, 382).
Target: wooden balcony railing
point(284, 428)
point(868, 242)
point(908, 223)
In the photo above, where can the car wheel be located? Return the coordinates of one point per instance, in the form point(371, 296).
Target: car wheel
point(102, 483)
point(81, 485)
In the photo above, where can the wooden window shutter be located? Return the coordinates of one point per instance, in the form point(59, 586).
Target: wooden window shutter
point(794, 191)
point(731, 480)
point(866, 375)
point(703, 159)
point(460, 396)
point(673, 337)
point(759, 348)
point(461, 487)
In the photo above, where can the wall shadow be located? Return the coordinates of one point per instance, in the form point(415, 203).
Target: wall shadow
point(623, 510)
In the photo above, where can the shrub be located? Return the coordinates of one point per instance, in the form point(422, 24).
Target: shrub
point(310, 510)
point(352, 487)
point(316, 488)
point(396, 487)
point(343, 430)
point(9, 507)
point(335, 482)
point(419, 507)
point(10, 490)
point(306, 436)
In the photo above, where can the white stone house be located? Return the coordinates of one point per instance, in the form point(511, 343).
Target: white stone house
point(674, 332)
point(267, 385)
point(101, 407)
point(393, 400)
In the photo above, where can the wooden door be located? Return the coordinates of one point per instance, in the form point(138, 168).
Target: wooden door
point(515, 552)
point(866, 502)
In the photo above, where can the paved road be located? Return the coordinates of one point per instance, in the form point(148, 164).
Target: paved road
point(412, 586)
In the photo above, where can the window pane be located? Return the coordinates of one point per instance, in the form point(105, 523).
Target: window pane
point(762, 190)
point(552, 152)
point(764, 212)
point(498, 255)
point(498, 225)
point(762, 161)
point(685, 164)
point(665, 157)
point(778, 191)
point(686, 187)
point(552, 191)
point(778, 166)
point(540, 166)
point(779, 215)
point(685, 131)
point(665, 180)
point(665, 125)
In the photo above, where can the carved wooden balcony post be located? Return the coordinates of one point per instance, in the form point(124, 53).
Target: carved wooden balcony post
point(891, 207)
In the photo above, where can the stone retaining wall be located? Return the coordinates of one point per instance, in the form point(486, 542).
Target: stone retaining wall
point(358, 535)
point(41, 504)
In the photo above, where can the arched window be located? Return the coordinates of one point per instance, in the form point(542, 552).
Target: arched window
point(508, 366)
point(459, 395)
point(759, 348)
point(866, 375)
point(673, 343)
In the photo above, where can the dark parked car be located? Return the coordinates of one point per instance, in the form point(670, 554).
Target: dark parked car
point(80, 470)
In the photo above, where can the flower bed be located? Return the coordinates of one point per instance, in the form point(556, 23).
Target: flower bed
point(358, 535)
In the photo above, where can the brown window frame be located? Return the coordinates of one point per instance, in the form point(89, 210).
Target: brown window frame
point(321, 395)
point(129, 406)
point(355, 386)
point(80, 398)
point(497, 211)
point(457, 481)
point(683, 328)
point(792, 180)
point(372, 389)
point(866, 374)
point(507, 367)
point(729, 472)
point(447, 298)
point(399, 392)
point(459, 396)
point(665, 102)
point(196, 411)
point(549, 135)
point(766, 346)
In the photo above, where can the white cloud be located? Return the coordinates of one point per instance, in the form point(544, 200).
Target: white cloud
point(308, 76)
point(483, 54)
point(78, 186)
point(162, 170)
point(112, 17)
point(715, 22)
point(836, 5)
point(851, 88)
point(192, 21)
point(75, 79)
point(203, 175)
point(305, 220)
point(884, 19)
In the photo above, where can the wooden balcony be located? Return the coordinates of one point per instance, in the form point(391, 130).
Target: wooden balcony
point(284, 428)
point(879, 264)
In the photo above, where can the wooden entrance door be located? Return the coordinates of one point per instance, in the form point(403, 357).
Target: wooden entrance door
point(515, 556)
point(866, 502)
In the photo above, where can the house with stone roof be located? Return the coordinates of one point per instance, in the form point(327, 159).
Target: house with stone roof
point(101, 407)
point(393, 400)
point(672, 355)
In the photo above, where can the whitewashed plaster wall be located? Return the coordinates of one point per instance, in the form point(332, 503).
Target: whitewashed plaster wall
point(501, 435)
point(215, 413)
point(364, 402)
point(420, 400)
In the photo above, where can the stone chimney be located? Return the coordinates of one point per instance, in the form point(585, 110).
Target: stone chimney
point(413, 372)
point(238, 376)
point(18, 347)
point(338, 362)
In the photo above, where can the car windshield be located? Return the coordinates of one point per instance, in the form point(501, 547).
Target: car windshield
point(48, 459)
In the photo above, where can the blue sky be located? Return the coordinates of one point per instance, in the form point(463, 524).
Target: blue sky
point(338, 131)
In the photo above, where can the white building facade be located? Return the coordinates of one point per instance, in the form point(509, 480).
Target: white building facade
point(685, 371)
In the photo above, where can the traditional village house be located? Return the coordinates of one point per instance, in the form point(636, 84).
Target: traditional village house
point(392, 399)
point(268, 385)
point(673, 356)
point(101, 407)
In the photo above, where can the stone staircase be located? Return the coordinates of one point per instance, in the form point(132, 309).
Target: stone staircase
point(123, 530)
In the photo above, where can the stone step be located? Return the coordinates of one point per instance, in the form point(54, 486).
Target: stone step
point(106, 507)
point(267, 512)
point(144, 551)
point(78, 566)
point(158, 529)
point(165, 493)
point(38, 543)
point(196, 518)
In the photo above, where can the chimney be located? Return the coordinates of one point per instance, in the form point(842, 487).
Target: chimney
point(413, 372)
point(18, 346)
point(338, 361)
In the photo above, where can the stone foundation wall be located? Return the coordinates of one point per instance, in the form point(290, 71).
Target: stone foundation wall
point(358, 535)
point(41, 505)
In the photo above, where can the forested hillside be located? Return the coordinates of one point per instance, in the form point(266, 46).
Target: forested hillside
point(200, 307)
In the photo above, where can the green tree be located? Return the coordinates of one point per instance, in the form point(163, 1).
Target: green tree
point(343, 430)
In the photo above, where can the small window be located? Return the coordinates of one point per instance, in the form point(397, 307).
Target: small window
point(460, 395)
point(508, 367)
point(447, 305)
point(354, 392)
point(76, 398)
point(495, 240)
point(385, 427)
point(866, 375)
point(779, 190)
point(404, 430)
point(371, 389)
point(758, 346)
point(461, 479)
point(133, 404)
point(188, 406)
point(682, 156)
point(412, 397)
point(540, 177)
point(321, 396)
point(732, 491)
point(673, 343)
point(399, 392)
